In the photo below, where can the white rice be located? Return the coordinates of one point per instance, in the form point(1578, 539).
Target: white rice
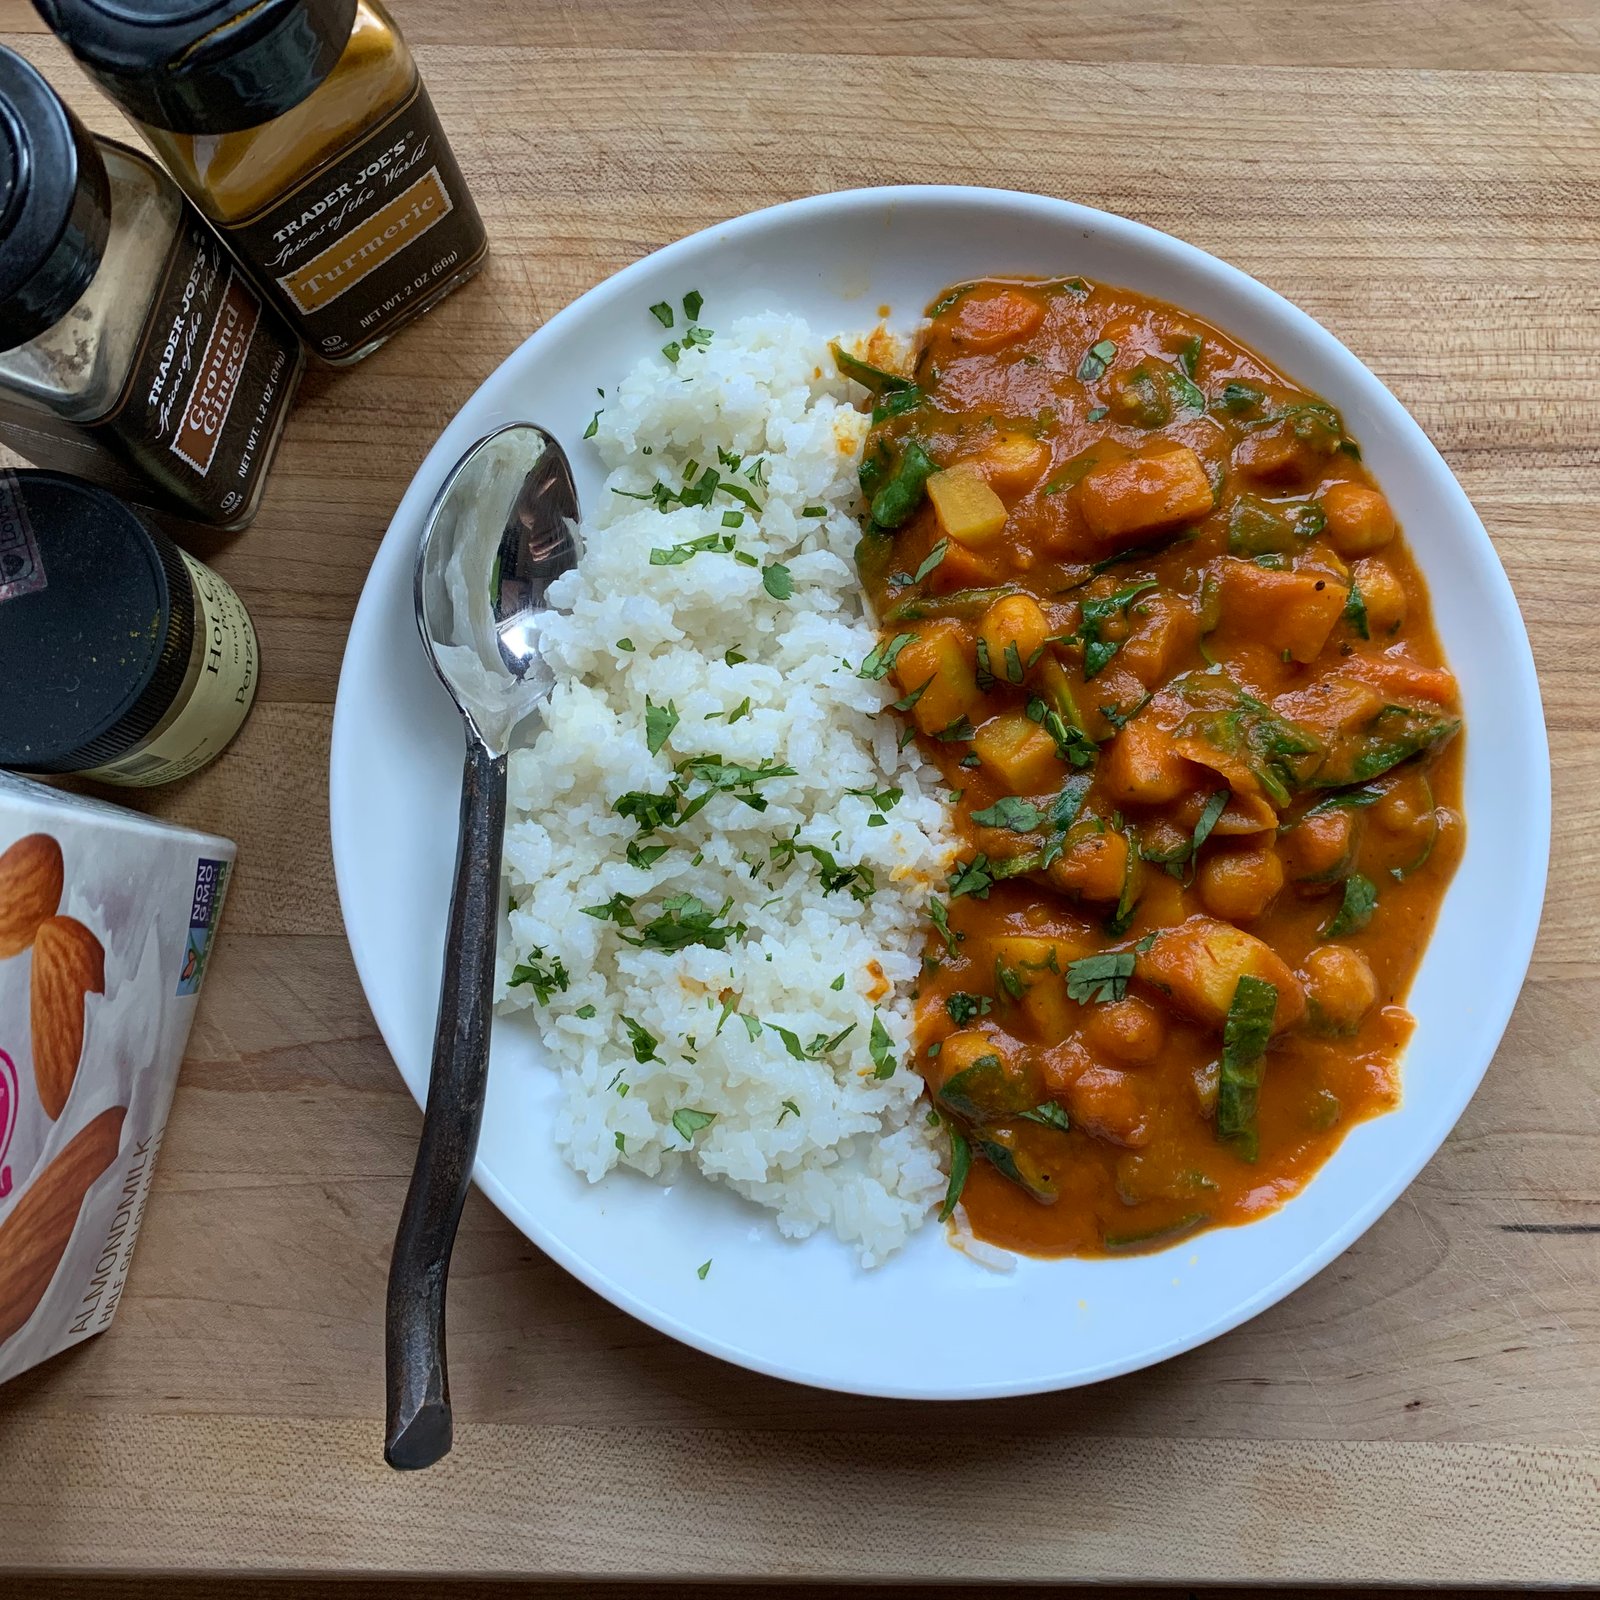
point(823, 1142)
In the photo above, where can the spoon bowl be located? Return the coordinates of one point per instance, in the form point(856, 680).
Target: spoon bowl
point(499, 533)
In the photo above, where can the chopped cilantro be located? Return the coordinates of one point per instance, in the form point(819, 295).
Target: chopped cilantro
point(964, 1008)
point(689, 1122)
point(1009, 812)
point(545, 981)
point(643, 1041)
point(882, 1049)
point(931, 560)
point(659, 721)
point(662, 312)
point(1095, 360)
point(940, 918)
point(972, 877)
point(882, 658)
point(777, 581)
point(686, 920)
point(1100, 977)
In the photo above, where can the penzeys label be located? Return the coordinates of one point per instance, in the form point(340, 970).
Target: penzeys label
point(370, 239)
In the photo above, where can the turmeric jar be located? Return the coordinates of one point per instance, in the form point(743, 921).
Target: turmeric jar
point(302, 130)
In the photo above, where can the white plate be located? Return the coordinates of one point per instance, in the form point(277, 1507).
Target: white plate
point(930, 1324)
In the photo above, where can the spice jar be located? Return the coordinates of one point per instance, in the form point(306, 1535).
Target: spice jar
point(302, 130)
point(124, 658)
point(129, 343)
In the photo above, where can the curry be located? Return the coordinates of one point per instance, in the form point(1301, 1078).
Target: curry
point(1155, 625)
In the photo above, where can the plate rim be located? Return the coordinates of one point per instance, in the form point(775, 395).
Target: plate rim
point(1516, 936)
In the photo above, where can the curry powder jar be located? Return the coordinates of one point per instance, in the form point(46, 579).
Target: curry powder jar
point(124, 658)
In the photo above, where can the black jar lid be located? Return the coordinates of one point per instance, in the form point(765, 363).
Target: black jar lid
point(97, 620)
point(204, 66)
point(55, 204)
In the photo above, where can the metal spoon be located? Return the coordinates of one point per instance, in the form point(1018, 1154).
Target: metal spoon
point(502, 529)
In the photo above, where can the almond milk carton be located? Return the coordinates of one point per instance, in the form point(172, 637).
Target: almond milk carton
point(106, 926)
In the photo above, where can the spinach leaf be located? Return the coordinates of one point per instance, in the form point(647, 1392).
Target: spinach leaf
point(894, 504)
point(1355, 611)
point(1244, 1047)
point(1097, 652)
point(1360, 900)
point(867, 375)
point(1116, 1242)
point(1394, 735)
point(1281, 755)
point(960, 1166)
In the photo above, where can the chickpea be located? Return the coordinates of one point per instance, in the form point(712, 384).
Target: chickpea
point(1404, 808)
point(1018, 622)
point(1359, 518)
point(1013, 463)
point(1383, 595)
point(1126, 1030)
point(1316, 847)
point(958, 1052)
point(1340, 987)
point(1238, 885)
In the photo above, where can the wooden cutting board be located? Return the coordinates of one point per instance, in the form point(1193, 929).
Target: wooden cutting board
point(1423, 177)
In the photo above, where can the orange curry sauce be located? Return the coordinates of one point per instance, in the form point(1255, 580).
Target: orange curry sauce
point(1137, 590)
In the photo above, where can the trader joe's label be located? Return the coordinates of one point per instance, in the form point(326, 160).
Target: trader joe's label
point(368, 240)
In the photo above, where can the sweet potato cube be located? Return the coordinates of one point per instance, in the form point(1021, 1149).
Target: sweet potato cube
point(937, 657)
point(1166, 629)
point(1199, 964)
point(1143, 767)
point(985, 322)
point(1291, 612)
point(969, 511)
point(1019, 752)
point(1125, 501)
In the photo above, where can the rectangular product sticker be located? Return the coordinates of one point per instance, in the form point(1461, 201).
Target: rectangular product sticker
point(210, 887)
point(21, 569)
point(371, 238)
point(216, 382)
point(345, 262)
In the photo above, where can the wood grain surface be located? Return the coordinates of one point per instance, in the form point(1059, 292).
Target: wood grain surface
point(1424, 178)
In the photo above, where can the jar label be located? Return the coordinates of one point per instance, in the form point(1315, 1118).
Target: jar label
point(216, 382)
point(209, 388)
point(21, 567)
point(218, 698)
point(370, 238)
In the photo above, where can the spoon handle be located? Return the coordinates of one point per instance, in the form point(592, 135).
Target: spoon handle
point(419, 1426)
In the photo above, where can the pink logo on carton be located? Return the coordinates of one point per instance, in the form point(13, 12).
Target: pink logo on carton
point(10, 1097)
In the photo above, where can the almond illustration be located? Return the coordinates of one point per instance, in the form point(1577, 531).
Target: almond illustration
point(68, 963)
point(31, 876)
point(34, 1237)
